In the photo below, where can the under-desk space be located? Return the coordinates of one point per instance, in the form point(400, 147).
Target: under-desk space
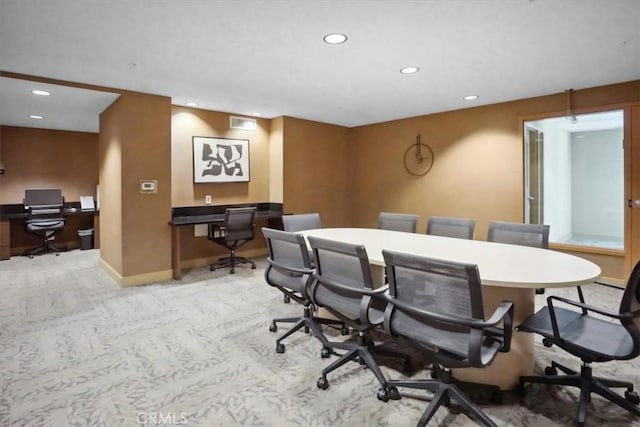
point(184, 218)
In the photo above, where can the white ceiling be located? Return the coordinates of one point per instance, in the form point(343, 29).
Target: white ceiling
point(268, 56)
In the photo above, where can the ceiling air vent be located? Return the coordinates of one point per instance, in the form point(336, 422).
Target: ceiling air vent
point(243, 123)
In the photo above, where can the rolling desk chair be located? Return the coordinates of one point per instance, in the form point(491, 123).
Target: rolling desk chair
point(438, 305)
point(594, 335)
point(398, 222)
point(236, 230)
point(300, 222)
point(44, 217)
point(461, 228)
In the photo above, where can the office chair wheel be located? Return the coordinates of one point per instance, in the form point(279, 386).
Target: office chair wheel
point(232, 271)
point(383, 394)
point(547, 342)
point(325, 352)
point(253, 266)
point(550, 370)
point(273, 327)
point(286, 299)
point(322, 383)
point(57, 253)
point(632, 397)
point(212, 268)
point(394, 394)
point(344, 330)
point(280, 348)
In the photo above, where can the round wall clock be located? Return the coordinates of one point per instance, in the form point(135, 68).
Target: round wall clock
point(418, 158)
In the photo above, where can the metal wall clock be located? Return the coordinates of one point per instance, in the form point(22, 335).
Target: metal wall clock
point(418, 159)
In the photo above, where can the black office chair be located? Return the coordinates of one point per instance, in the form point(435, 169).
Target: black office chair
point(290, 272)
point(594, 335)
point(344, 286)
point(236, 230)
point(398, 222)
point(461, 228)
point(45, 218)
point(438, 305)
point(301, 222)
point(534, 235)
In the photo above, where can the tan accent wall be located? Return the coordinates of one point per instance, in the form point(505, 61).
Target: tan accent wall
point(42, 158)
point(317, 171)
point(276, 161)
point(135, 144)
point(189, 122)
point(478, 167)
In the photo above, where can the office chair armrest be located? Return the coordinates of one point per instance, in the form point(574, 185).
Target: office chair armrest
point(583, 306)
point(348, 289)
point(461, 321)
point(288, 269)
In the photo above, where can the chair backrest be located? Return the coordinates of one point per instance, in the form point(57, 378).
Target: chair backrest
point(461, 228)
point(289, 264)
point(346, 265)
point(44, 205)
point(630, 303)
point(534, 235)
point(300, 222)
point(436, 286)
point(398, 222)
point(239, 223)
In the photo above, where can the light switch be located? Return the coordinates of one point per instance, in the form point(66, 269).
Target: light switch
point(207, 199)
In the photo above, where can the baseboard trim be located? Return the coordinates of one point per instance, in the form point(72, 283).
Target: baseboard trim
point(137, 279)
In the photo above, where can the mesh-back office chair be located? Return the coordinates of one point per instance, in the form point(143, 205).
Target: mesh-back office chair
point(290, 271)
point(438, 305)
point(45, 217)
point(461, 228)
point(398, 222)
point(301, 222)
point(609, 336)
point(236, 230)
point(344, 287)
point(534, 235)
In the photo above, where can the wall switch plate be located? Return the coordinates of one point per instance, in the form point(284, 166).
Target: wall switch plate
point(207, 199)
point(148, 186)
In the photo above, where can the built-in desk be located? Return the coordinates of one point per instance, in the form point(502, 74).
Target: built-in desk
point(192, 215)
point(14, 240)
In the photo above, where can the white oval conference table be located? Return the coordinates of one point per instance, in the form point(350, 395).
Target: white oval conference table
point(508, 272)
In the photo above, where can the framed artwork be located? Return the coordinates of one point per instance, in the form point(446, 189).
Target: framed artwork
point(220, 160)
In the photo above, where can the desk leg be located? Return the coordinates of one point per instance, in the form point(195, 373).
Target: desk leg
point(175, 252)
point(506, 368)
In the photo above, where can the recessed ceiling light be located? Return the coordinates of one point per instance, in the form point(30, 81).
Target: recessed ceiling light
point(470, 97)
point(36, 116)
point(409, 70)
point(256, 114)
point(191, 104)
point(335, 38)
point(40, 92)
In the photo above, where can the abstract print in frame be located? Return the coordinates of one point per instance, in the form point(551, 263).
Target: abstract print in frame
point(220, 160)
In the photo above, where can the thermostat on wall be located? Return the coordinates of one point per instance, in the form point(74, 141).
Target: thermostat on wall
point(148, 186)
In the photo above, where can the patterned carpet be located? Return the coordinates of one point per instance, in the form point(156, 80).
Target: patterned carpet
point(77, 350)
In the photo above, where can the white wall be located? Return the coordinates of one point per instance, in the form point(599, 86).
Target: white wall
point(597, 175)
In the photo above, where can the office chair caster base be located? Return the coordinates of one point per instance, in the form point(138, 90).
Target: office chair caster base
point(232, 271)
point(632, 397)
point(280, 348)
point(550, 370)
point(273, 327)
point(325, 353)
point(212, 268)
point(322, 383)
point(253, 266)
point(547, 342)
point(286, 299)
point(383, 394)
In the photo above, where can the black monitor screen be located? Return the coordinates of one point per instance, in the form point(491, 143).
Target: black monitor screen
point(50, 197)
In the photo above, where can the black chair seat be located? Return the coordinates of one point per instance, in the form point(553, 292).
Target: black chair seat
point(605, 340)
